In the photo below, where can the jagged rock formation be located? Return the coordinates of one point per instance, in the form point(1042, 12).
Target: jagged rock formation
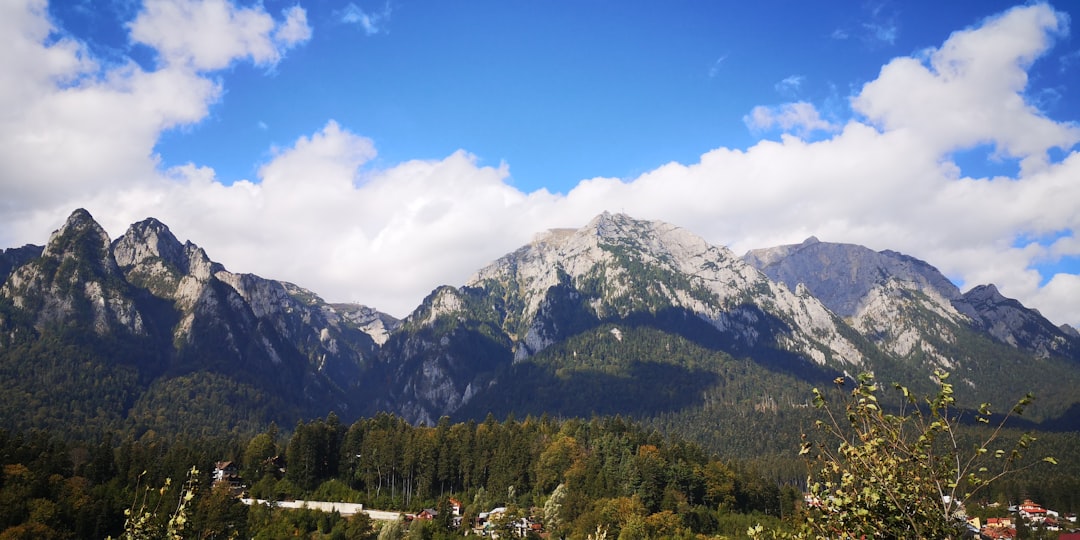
point(12, 258)
point(191, 316)
point(1010, 322)
point(616, 266)
point(906, 305)
point(75, 279)
point(619, 316)
point(613, 269)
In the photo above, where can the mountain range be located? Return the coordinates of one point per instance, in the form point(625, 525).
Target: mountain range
point(621, 316)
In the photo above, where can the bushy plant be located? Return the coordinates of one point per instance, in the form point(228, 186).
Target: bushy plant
point(902, 474)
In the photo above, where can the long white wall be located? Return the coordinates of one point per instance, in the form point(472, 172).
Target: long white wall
point(345, 509)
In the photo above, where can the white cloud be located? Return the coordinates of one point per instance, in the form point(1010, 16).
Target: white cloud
point(799, 117)
point(294, 30)
point(1057, 299)
point(384, 238)
point(210, 34)
point(73, 129)
point(970, 91)
point(372, 22)
point(883, 32)
point(791, 85)
point(323, 216)
point(714, 70)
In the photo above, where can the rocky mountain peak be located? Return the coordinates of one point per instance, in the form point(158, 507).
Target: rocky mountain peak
point(82, 237)
point(843, 275)
point(148, 239)
point(1010, 322)
point(76, 280)
point(616, 266)
point(985, 295)
point(13, 258)
point(765, 257)
point(611, 225)
point(152, 257)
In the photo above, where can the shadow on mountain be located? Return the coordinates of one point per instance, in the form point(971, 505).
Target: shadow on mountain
point(638, 389)
point(763, 350)
point(642, 365)
point(1067, 421)
point(425, 362)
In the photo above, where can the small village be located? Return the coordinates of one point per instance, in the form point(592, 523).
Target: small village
point(1027, 514)
point(500, 521)
point(494, 523)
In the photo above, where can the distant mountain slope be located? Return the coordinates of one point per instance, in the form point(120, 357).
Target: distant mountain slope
point(165, 320)
point(842, 276)
point(910, 310)
point(859, 284)
point(621, 316)
point(12, 258)
point(1008, 321)
point(615, 270)
point(622, 266)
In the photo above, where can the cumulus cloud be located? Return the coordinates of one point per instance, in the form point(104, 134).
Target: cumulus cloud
point(970, 91)
point(210, 34)
point(295, 30)
point(799, 117)
point(73, 128)
point(383, 237)
point(323, 215)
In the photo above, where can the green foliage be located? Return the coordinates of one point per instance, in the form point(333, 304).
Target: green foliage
point(266, 523)
point(577, 475)
point(78, 368)
point(313, 452)
point(146, 518)
point(206, 404)
point(219, 514)
point(904, 475)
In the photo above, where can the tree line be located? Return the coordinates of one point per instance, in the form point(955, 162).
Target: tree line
point(576, 476)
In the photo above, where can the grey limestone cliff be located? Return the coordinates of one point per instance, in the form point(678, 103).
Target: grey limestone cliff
point(76, 281)
point(906, 305)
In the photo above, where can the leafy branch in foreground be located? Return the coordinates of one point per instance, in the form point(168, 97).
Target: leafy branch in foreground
point(143, 521)
point(904, 475)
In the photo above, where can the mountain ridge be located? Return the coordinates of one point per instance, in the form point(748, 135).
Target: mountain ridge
point(649, 318)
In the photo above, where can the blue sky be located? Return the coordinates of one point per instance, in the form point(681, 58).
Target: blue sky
point(563, 92)
point(360, 138)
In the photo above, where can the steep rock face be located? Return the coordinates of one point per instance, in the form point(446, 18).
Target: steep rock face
point(905, 305)
point(76, 281)
point(443, 353)
point(617, 266)
point(568, 281)
point(12, 258)
point(260, 323)
point(843, 275)
point(902, 304)
point(149, 318)
point(1010, 322)
point(372, 322)
point(152, 258)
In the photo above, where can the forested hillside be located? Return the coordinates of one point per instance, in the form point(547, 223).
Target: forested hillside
point(571, 475)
